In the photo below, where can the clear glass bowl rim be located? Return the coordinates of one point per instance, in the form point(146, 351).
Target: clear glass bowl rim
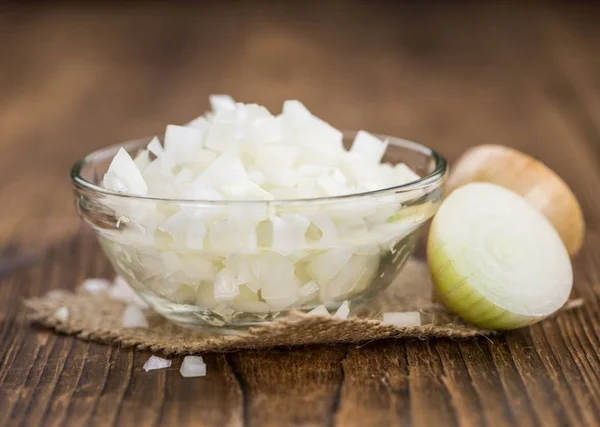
point(434, 178)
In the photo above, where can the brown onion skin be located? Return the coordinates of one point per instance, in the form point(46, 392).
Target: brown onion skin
point(531, 179)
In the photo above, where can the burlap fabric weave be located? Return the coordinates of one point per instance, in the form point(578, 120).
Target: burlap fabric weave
point(98, 318)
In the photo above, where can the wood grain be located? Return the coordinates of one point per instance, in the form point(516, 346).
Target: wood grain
point(79, 76)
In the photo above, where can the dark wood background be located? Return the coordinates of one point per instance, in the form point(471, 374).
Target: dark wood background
point(77, 76)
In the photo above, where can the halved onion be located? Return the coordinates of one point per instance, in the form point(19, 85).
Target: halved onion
point(495, 260)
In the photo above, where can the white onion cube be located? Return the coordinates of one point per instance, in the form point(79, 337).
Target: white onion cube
point(368, 147)
point(124, 176)
point(246, 190)
point(309, 288)
point(326, 265)
point(276, 156)
point(155, 147)
point(226, 169)
point(133, 317)
point(96, 286)
point(199, 123)
point(62, 314)
point(221, 103)
point(193, 366)
point(182, 142)
point(142, 160)
point(155, 362)
point(289, 233)
point(405, 174)
point(320, 310)
point(402, 319)
point(227, 285)
point(343, 311)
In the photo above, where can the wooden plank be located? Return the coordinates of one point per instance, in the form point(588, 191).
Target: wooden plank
point(75, 78)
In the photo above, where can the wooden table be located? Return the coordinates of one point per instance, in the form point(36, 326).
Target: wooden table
point(79, 76)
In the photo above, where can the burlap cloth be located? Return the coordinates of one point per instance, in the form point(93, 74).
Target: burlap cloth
point(98, 318)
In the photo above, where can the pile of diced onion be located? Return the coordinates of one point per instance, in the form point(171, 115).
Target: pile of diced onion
point(256, 257)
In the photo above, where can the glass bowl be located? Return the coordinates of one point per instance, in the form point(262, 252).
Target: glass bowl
point(223, 276)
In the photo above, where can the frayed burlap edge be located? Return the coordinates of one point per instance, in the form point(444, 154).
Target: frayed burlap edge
point(98, 318)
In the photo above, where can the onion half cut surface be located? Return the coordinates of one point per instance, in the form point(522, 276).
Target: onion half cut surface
point(496, 261)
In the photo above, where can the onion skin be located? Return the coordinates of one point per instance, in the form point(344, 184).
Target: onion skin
point(529, 178)
point(452, 290)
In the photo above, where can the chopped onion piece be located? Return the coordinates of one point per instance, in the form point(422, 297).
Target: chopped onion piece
point(124, 176)
point(403, 319)
point(226, 169)
point(227, 285)
point(368, 147)
point(326, 265)
point(96, 286)
point(182, 142)
point(276, 156)
point(247, 190)
point(328, 229)
point(404, 173)
point(319, 310)
point(133, 317)
point(200, 190)
point(155, 147)
point(221, 103)
point(194, 236)
point(230, 235)
point(574, 303)
point(142, 160)
point(288, 233)
point(309, 288)
point(155, 362)
point(62, 314)
point(175, 224)
point(343, 311)
point(193, 366)
point(199, 123)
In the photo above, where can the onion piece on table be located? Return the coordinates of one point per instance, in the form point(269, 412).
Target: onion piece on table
point(343, 311)
point(96, 286)
point(404, 319)
point(62, 314)
point(193, 366)
point(319, 310)
point(155, 362)
point(133, 317)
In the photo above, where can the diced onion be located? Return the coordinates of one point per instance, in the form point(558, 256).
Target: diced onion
point(62, 314)
point(155, 362)
point(343, 311)
point(133, 317)
point(124, 176)
point(403, 319)
point(368, 147)
point(193, 366)
point(320, 310)
point(221, 102)
point(155, 147)
point(96, 286)
point(258, 257)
